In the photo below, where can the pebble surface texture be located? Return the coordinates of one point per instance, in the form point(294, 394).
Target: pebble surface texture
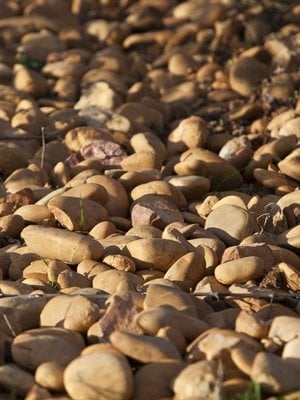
point(149, 200)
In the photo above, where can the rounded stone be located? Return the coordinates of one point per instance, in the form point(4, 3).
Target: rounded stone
point(230, 223)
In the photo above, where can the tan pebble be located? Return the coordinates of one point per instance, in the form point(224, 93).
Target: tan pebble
point(290, 127)
point(101, 374)
point(49, 375)
point(291, 275)
point(105, 346)
point(120, 262)
point(151, 320)
point(192, 186)
point(68, 278)
point(144, 232)
point(131, 179)
point(108, 281)
point(159, 188)
point(209, 284)
point(230, 223)
point(34, 213)
point(144, 348)
point(274, 374)
point(246, 74)
point(291, 353)
point(14, 288)
point(174, 336)
point(290, 238)
point(76, 313)
point(222, 319)
point(191, 132)
point(60, 175)
point(235, 385)
point(158, 294)
point(284, 328)
point(157, 377)
point(117, 204)
point(54, 343)
point(38, 392)
point(81, 136)
point(255, 249)
point(149, 275)
point(11, 375)
point(102, 230)
point(215, 341)
point(37, 269)
point(155, 253)
point(187, 270)
point(141, 117)
point(77, 214)
point(91, 191)
point(197, 380)
point(230, 200)
point(12, 225)
point(274, 180)
point(148, 141)
point(243, 358)
point(76, 247)
point(251, 325)
point(86, 266)
point(224, 176)
point(192, 167)
point(30, 82)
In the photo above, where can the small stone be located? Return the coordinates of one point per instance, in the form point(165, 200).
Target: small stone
point(144, 348)
point(30, 82)
point(12, 376)
point(49, 375)
point(76, 313)
point(240, 270)
point(285, 328)
point(274, 374)
point(99, 375)
point(191, 132)
point(246, 74)
point(53, 344)
point(197, 380)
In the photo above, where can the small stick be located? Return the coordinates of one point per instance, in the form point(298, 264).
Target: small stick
point(43, 147)
point(217, 295)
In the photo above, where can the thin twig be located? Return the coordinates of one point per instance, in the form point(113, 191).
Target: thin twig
point(43, 147)
point(9, 325)
point(259, 294)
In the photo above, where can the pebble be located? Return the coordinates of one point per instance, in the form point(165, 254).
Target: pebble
point(197, 380)
point(75, 313)
point(246, 74)
point(100, 374)
point(54, 343)
point(230, 223)
point(144, 348)
point(149, 160)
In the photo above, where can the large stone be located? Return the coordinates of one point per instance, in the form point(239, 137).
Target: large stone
point(99, 375)
point(36, 346)
point(230, 223)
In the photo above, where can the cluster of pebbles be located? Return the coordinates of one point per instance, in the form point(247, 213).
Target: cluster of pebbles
point(150, 202)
